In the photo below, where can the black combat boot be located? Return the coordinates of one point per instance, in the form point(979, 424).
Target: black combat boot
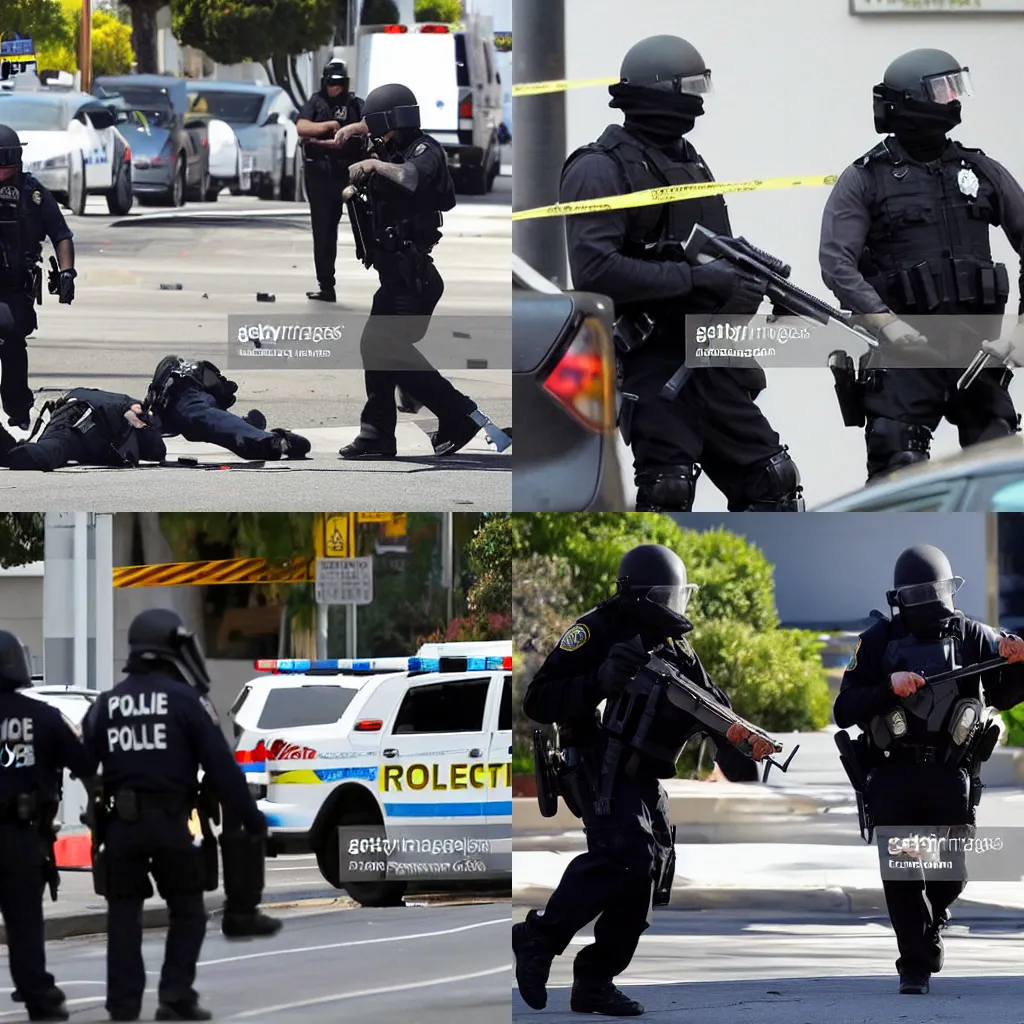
point(914, 983)
point(296, 446)
point(248, 924)
point(182, 1011)
point(323, 295)
point(454, 435)
point(592, 995)
point(533, 958)
point(363, 448)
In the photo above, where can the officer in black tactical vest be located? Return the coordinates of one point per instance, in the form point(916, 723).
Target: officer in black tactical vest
point(921, 762)
point(613, 782)
point(37, 744)
point(408, 187)
point(28, 214)
point(191, 398)
point(91, 428)
point(151, 733)
point(905, 241)
point(324, 115)
point(632, 256)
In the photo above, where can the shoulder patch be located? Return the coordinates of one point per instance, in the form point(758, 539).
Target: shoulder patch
point(209, 709)
point(574, 637)
point(421, 148)
point(37, 197)
point(852, 663)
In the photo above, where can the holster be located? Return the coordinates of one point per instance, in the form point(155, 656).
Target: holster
point(96, 815)
point(544, 775)
point(40, 811)
point(208, 810)
point(665, 865)
point(849, 389)
point(632, 330)
point(855, 762)
point(627, 409)
point(574, 783)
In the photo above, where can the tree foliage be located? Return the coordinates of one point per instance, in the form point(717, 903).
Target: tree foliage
point(21, 538)
point(60, 45)
point(379, 12)
point(447, 11)
point(43, 20)
point(490, 562)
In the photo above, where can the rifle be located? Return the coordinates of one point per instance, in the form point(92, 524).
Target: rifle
point(716, 718)
point(360, 215)
point(855, 773)
point(704, 246)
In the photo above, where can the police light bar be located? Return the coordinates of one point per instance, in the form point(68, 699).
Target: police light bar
point(435, 29)
point(394, 30)
point(279, 666)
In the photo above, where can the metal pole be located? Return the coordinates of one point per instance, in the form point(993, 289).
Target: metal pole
point(81, 599)
point(104, 600)
point(448, 564)
point(538, 149)
point(351, 631)
point(85, 56)
point(321, 630)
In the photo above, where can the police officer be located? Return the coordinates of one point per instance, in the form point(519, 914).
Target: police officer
point(151, 733)
point(89, 427)
point(917, 773)
point(629, 841)
point(191, 398)
point(28, 214)
point(328, 124)
point(905, 239)
point(409, 187)
point(38, 744)
point(713, 419)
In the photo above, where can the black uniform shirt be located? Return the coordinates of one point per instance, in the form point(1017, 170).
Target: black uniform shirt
point(433, 182)
point(345, 109)
point(847, 220)
point(151, 733)
point(865, 691)
point(110, 429)
point(566, 689)
point(36, 744)
point(597, 240)
point(42, 216)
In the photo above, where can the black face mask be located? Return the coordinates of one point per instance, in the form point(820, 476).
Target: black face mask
point(924, 135)
point(928, 621)
point(662, 117)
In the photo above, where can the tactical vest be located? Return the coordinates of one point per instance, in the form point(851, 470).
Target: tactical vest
point(321, 160)
point(653, 229)
point(112, 439)
point(20, 240)
point(927, 250)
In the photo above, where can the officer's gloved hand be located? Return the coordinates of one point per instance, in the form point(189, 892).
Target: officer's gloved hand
point(721, 278)
point(760, 748)
point(1008, 350)
point(904, 684)
point(1012, 649)
point(620, 666)
point(66, 286)
point(889, 328)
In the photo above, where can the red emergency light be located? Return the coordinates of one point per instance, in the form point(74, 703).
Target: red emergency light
point(394, 30)
point(435, 29)
point(368, 725)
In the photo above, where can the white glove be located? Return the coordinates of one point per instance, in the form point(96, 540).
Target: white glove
point(889, 327)
point(1008, 350)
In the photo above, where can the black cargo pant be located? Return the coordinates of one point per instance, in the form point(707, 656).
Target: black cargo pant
point(158, 844)
point(21, 904)
point(919, 795)
point(410, 289)
point(613, 881)
point(714, 422)
point(58, 445)
point(325, 207)
point(195, 415)
point(15, 394)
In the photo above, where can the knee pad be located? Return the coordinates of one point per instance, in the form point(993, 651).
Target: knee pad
point(776, 488)
point(892, 444)
point(667, 489)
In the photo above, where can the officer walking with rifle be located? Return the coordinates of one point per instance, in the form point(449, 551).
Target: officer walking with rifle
point(28, 214)
point(38, 744)
point(916, 686)
point(631, 652)
point(151, 733)
point(905, 244)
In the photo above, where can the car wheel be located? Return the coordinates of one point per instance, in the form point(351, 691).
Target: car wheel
point(212, 191)
point(198, 194)
point(368, 894)
point(119, 198)
point(178, 186)
point(76, 189)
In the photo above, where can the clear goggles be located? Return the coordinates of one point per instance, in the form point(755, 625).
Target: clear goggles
point(949, 87)
point(929, 593)
point(697, 85)
point(675, 599)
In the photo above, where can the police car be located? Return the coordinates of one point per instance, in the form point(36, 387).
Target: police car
point(421, 741)
point(71, 145)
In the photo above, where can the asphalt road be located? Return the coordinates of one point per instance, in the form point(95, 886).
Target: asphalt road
point(414, 965)
point(710, 968)
point(122, 323)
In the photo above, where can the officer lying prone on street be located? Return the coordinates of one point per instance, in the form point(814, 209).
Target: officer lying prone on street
point(611, 776)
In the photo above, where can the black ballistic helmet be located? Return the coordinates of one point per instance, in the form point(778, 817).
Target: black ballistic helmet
point(159, 635)
point(14, 671)
point(335, 73)
point(652, 583)
point(922, 83)
point(10, 147)
point(923, 590)
point(665, 64)
point(390, 108)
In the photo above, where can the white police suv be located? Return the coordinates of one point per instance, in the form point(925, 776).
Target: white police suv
point(417, 745)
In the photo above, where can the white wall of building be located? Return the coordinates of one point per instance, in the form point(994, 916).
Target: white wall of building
point(793, 81)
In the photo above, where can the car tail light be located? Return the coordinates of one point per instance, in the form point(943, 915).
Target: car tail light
point(584, 378)
point(369, 725)
point(436, 29)
point(466, 107)
point(127, 154)
point(394, 30)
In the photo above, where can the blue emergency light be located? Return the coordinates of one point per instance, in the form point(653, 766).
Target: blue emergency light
point(283, 666)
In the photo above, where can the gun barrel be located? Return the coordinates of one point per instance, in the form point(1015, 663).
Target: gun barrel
point(963, 673)
point(773, 263)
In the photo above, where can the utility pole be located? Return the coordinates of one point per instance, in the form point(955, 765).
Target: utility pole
point(538, 149)
point(85, 54)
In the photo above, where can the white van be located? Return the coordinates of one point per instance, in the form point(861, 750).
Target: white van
point(451, 70)
point(417, 745)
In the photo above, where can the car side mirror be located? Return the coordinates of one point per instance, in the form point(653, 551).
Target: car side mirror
point(271, 119)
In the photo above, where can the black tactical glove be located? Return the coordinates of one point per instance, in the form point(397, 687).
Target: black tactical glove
point(721, 278)
point(66, 286)
point(620, 666)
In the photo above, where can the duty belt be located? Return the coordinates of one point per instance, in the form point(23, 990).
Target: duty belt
point(917, 753)
point(152, 800)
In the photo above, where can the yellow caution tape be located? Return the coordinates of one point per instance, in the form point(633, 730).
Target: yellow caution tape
point(558, 85)
point(669, 194)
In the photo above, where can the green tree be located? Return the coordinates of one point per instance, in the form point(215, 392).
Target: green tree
point(112, 52)
point(379, 12)
point(21, 538)
point(42, 20)
point(490, 561)
point(446, 11)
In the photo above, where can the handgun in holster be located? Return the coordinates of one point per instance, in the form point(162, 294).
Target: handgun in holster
point(97, 816)
point(849, 388)
point(632, 330)
point(666, 865)
point(854, 758)
point(39, 812)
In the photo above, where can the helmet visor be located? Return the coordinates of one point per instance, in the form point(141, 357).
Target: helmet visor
point(674, 599)
point(10, 156)
point(950, 87)
point(697, 85)
point(929, 593)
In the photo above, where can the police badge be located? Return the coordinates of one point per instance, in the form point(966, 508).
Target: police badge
point(967, 181)
point(574, 637)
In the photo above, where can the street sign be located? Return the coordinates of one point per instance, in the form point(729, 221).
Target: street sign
point(344, 580)
point(336, 535)
point(936, 6)
point(375, 517)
